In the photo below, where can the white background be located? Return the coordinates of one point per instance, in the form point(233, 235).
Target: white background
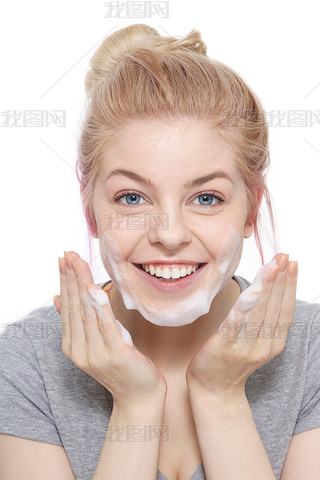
point(45, 50)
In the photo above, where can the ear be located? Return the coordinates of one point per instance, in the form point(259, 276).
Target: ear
point(95, 233)
point(248, 229)
point(94, 229)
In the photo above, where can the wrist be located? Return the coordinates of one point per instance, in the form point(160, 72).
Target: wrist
point(215, 397)
point(224, 409)
point(143, 408)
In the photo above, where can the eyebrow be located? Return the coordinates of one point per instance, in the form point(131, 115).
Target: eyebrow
point(193, 183)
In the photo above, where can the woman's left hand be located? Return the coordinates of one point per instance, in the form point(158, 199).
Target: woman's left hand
point(223, 364)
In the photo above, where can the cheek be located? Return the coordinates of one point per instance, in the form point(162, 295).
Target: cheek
point(115, 248)
point(110, 249)
point(112, 258)
point(223, 239)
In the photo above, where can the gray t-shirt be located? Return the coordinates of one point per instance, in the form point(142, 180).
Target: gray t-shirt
point(45, 397)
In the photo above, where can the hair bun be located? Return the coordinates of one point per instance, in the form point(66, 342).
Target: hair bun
point(133, 37)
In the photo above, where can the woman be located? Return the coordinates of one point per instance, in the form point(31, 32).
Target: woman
point(117, 393)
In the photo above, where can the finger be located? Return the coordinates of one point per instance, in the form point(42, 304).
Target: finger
point(286, 316)
point(76, 324)
point(92, 332)
point(64, 309)
point(268, 286)
point(56, 303)
point(125, 334)
point(251, 305)
point(91, 321)
point(74, 254)
point(110, 330)
point(273, 307)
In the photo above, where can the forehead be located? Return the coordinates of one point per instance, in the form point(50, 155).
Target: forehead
point(184, 147)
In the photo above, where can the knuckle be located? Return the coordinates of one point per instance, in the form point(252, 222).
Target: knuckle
point(78, 359)
point(120, 358)
point(241, 356)
point(64, 311)
point(94, 363)
point(262, 355)
point(83, 314)
point(273, 311)
point(288, 308)
point(104, 326)
point(71, 305)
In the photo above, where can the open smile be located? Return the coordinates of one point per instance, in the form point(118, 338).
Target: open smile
point(170, 284)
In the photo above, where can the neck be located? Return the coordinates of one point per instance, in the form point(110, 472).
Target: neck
point(172, 348)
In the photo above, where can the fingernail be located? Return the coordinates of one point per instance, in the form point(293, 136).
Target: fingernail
point(283, 261)
point(293, 268)
point(67, 260)
point(272, 274)
point(61, 266)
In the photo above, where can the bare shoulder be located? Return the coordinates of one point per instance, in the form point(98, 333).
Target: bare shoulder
point(22, 459)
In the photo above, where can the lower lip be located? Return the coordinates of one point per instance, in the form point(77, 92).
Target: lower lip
point(173, 286)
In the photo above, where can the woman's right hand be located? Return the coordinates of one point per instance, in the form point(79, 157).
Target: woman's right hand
point(93, 341)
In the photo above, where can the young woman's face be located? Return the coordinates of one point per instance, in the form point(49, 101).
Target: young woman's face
point(181, 202)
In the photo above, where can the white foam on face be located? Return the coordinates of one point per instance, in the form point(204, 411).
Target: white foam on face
point(100, 298)
point(168, 309)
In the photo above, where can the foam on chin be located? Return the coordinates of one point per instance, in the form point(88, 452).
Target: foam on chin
point(180, 311)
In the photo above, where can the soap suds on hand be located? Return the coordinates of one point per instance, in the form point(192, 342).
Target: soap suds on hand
point(100, 298)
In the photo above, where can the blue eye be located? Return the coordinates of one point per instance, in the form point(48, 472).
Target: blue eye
point(207, 197)
point(134, 198)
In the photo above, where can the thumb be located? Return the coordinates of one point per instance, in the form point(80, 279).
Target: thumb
point(56, 302)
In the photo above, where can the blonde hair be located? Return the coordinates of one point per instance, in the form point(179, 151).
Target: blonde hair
point(137, 74)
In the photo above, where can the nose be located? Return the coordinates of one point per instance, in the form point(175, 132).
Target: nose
point(168, 228)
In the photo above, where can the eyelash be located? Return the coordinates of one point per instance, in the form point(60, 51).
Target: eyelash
point(117, 199)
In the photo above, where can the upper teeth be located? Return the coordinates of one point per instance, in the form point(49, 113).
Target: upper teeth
point(166, 273)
